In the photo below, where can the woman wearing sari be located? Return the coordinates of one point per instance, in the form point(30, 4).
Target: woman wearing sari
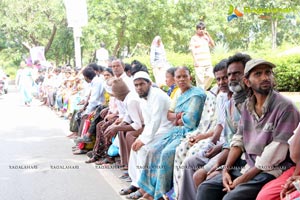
point(158, 61)
point(157, 174)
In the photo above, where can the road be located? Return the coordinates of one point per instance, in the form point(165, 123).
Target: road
point(36, 162)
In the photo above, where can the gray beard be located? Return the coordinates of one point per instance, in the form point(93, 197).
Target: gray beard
point(239, 93)
point(235, 88)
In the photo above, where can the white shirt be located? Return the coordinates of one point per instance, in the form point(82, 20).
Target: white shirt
point(121, 106)
point(128, 81)
point(97, 94)
point(133, 114)
point(102, 54)
point(222, 98)
point(57, 80)
point(155, 109)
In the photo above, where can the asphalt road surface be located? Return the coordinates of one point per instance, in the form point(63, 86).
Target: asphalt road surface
point(36, 162)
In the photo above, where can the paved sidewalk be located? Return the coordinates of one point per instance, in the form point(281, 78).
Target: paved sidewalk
point(110, 173)
point(37, 162)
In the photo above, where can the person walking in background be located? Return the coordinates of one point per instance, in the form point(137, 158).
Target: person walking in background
point(199, 46)
point(19, 73)
point(26, 84)
point(102, 55)
point(158, 61)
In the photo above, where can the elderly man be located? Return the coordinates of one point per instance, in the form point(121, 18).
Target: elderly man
point(154, 105)
point(132, 124)
point(118, 68)
point(228, 116)
point(267, 122)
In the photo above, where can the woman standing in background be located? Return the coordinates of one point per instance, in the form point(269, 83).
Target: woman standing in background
point(158, 61)
point(26, 84)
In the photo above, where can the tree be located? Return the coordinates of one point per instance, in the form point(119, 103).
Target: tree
point(31, 23)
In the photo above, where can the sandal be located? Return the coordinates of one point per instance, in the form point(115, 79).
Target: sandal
point(80, 151)
point(124, 175)
point(92, 160)
point(130, 189)
point(134, 195)
point(105, 161)
point(124, 167)
point(128, 179)
point(76, 149)
point(90, 154)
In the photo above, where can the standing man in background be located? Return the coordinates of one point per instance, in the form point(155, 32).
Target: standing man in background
point(199, 46)
point(102, 55)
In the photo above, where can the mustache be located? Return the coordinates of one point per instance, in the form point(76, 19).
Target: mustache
point(234, 83)
point(266, 82)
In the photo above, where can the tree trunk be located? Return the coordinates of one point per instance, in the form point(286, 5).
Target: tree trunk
point(121, 35)
point(50, 39)
point(274, 33)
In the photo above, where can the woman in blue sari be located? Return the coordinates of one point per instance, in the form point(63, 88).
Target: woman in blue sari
point(157, 174)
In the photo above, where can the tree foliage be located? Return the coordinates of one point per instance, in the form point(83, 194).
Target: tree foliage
point(127, 25)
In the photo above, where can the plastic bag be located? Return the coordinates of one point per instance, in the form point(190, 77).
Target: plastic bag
point(113, 149)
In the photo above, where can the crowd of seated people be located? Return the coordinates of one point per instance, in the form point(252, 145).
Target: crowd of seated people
point(238, 140)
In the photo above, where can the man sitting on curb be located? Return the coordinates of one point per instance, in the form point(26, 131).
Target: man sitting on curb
point(155, 105)
point(267, 122)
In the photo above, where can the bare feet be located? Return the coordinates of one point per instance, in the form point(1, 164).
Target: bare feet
point(72, 135)
point(147, 196)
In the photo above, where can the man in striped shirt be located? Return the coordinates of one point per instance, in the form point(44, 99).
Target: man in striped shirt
point(199, 46)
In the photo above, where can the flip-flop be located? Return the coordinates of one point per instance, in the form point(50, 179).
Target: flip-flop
point(130, 189)
point(79, 151)
point(92, 160)
point(90, 154)
point(128, 179)
point(105, 161)
point(124, 175)
point(134, 195)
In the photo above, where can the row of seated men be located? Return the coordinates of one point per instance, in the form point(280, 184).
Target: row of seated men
point(233, 142)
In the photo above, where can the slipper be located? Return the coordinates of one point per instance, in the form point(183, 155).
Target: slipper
point(80, 151)
point(130, 189)
point(124, 167)
point(90, 154)
point(76, 149)
point(92, 160)
point(105, 161)
point(124, 175)
point(128, 179)
point(134, 195)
